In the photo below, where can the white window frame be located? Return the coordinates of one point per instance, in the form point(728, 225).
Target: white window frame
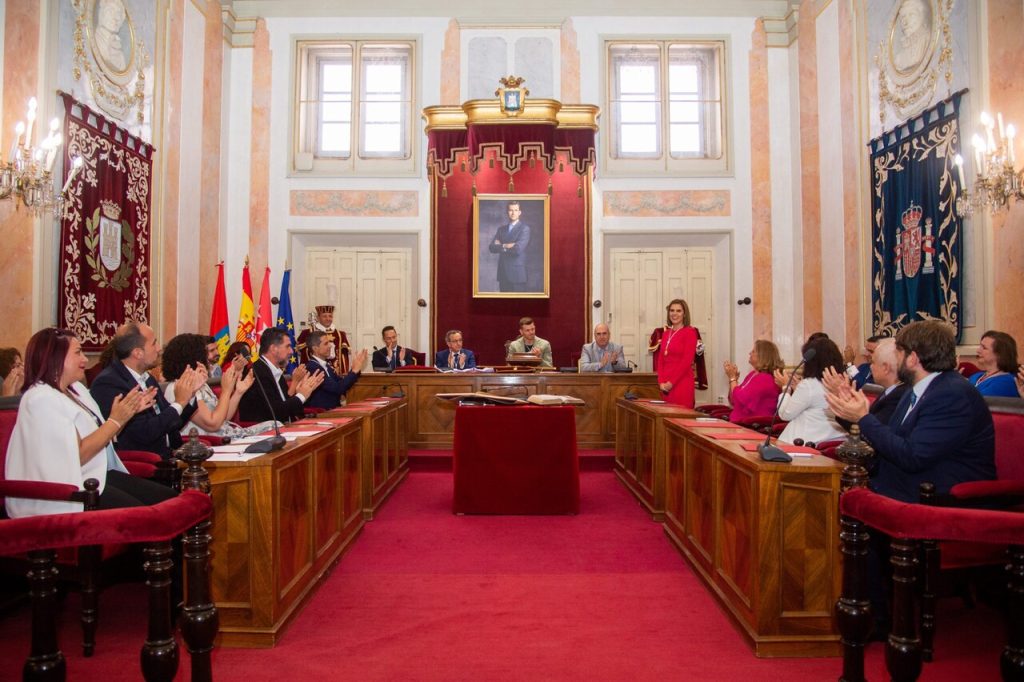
point(307, 155)
point(714, 111)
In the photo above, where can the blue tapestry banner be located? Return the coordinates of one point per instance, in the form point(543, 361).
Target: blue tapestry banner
point(916, 235)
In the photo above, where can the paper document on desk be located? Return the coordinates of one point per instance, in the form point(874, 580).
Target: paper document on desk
point(549, 399)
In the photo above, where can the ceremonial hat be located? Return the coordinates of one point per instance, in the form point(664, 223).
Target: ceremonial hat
point(321, 309)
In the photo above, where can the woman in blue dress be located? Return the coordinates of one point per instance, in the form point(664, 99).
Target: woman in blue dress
point(997, 358)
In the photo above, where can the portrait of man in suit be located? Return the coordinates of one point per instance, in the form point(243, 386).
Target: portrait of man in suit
point(510, 246)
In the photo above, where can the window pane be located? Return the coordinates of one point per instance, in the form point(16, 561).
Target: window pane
point(382, 112)
point(385, 78)
point(638, 139)
point(683, 78)
point(382, 138)
point(341, 111)
point(684, 112)
point(334, 139)
point(638, 79)
point(685, 139)
point(638, 112)
point(336, 77)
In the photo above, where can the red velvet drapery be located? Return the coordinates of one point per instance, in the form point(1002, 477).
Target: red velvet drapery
point(105, 229)
point(513, 158)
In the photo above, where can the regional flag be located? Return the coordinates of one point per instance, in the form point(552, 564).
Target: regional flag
point(247, 314)
point(220, 326)
point(285, 320)
point(265, 317)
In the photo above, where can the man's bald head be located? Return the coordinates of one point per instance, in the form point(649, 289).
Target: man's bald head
point(602, 335)
point(885, 363)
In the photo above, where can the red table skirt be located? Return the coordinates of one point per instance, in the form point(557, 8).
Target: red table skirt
point(516, 460)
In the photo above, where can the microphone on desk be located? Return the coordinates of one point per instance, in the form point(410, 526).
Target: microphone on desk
point(773, 453)
point(628, 369)
point(275, 442)
point(385, 370)
point(400, 394)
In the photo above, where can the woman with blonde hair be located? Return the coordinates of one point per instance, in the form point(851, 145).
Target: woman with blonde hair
point(758, 393)
point(678, 349)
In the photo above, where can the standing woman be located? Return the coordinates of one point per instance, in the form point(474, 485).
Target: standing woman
point(62, 437)
point(678, 350)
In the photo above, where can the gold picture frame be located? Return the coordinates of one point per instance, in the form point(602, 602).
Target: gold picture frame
point(511, 263)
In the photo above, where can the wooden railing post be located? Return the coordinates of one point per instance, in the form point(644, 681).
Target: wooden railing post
point(160, 651)
point(46, 661)
point(903, 650)
point(199, 619)
point(853, 609)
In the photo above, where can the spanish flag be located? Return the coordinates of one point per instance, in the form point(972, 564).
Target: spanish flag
point(247, 314)
point(220, 325)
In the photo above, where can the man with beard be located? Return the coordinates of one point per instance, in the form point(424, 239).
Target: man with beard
point(940, 432)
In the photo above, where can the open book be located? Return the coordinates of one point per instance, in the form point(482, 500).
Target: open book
point(548, 399)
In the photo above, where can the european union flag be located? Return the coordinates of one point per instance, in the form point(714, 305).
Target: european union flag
point(284, 318)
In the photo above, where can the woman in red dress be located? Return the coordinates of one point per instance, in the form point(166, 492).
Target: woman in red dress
point(678, 349)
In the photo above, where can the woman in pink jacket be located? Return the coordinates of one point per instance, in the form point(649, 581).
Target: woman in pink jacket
point(758, 393)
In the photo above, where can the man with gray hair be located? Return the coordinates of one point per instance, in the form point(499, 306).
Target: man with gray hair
point(602, 355)
point(884, 370)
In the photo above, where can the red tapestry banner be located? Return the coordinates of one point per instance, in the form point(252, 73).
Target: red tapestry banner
point(105, 229)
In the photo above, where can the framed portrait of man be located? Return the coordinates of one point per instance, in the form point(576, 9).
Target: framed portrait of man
point(511, 246)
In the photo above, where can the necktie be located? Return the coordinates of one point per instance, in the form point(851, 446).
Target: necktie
point(913, 401)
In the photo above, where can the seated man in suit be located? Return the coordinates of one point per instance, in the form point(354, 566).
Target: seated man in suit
point(329, 394)
point(601, 355)
point(529, 342)
point(884, 368)
point(391, 356)
point(158, 429)
point(941, 431)
point(273, 398)
point(455, 357)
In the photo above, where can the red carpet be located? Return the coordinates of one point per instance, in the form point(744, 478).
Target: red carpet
point(425, 595)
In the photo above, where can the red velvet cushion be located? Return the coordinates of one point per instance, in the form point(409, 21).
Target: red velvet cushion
point(904, 520)
point(1009, 445)
point(7, 419)
point(136, 524)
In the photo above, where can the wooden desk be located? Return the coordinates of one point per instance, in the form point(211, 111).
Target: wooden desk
point(431, 421)
point(763, 536)
point(640, 460)
point(495, 474)
point(385, 450)
point(279, 522)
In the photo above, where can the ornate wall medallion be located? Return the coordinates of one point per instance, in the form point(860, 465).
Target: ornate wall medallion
point(912, 57)
point(110, 57)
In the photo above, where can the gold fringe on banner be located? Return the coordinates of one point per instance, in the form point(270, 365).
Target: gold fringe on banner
point(511, 184)
point(444, 188)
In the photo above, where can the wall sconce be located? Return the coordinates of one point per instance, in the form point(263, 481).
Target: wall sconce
point(997, 180)
point(27, 176)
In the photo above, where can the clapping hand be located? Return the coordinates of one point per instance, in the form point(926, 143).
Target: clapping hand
point(244, 383)
point(784, 376)
point(307, 383)
point(127, 406)
point(837, 382)
point(298, 374)
point(13, 381)
point(731, 371)
point(1020, 380)
point(360, 360)
point(188, 383)
point(228, 380)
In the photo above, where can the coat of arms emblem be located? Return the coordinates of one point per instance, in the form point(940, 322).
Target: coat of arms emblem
point(512, 96)
point(110, 235)
point(913, 242)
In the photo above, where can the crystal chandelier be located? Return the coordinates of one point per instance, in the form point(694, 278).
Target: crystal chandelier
point(27, 176)
point(997, 180)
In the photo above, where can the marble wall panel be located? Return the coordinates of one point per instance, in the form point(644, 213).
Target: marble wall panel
point(353, 203)
point(668, 203)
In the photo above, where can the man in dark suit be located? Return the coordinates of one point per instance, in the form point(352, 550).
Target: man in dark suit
point(277, 399)
point(391, 356)
point(941, 431)
point(455, 357)
point(329, 394)
point(511, 241)
point(884, 370)
point(158, 429)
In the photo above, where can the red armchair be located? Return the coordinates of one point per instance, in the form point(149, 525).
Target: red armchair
point(907, 524)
